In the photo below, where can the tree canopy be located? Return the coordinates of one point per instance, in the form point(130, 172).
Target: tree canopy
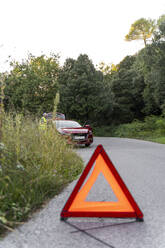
point(81, 89)
point(32, 85)
point(141, 29)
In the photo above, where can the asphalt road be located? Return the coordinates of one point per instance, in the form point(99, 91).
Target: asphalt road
point(142, 167)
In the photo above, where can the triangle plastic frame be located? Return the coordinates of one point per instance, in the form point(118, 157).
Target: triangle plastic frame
point(111, 213)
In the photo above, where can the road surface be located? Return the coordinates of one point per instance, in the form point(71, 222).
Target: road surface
point(142, 167)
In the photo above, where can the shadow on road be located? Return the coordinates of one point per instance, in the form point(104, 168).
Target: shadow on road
point(79, 228)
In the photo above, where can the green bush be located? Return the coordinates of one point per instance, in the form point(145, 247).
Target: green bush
point(160, 124)
point(134, 129)
point(150, 123)
point(104, 131)
point(152, 128)
point(34, 166)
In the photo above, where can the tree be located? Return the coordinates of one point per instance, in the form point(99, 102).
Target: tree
point(159, 34)
point(107, 68)
point(32, 85)
point(151, 62)
point(161, 20)
point(2, 87)
point(141, 29)
point(81, 90)
point(127, 88)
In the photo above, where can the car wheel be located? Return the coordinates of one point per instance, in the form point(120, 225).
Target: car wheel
point(87, 145)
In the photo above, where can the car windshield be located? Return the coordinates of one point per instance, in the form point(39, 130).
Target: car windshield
point(66, 124)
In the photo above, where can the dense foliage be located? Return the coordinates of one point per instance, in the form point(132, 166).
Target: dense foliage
point(152, 128)
point(82, 90)
point(133, 89)
point(32, 85)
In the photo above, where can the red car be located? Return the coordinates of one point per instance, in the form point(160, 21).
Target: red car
point(75, 133)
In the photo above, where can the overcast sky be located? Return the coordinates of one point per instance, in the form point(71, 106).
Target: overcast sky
point(72, 27)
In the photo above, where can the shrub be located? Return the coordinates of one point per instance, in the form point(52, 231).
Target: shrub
point(152, 127)
point(160, 124)
point(104, 131)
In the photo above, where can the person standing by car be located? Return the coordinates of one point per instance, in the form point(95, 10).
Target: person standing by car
point(43, 122)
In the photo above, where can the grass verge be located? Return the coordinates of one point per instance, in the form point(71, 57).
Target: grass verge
point(151, 129)
point(35, 165)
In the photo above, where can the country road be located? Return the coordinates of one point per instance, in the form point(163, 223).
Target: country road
point(142, 167)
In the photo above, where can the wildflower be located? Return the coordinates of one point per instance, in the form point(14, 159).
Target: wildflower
point(20, 166)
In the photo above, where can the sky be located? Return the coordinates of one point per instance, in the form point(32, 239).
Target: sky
point(72, 27)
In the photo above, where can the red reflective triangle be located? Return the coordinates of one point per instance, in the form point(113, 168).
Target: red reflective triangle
point(77, 206)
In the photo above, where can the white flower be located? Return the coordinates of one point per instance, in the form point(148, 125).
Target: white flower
point(2, 146)
point(20, 166)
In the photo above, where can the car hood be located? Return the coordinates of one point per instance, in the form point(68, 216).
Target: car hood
point(73, 130)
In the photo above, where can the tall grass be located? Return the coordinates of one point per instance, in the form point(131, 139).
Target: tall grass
point(34, 166)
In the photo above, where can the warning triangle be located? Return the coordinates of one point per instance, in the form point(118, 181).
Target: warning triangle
point(77, 204)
